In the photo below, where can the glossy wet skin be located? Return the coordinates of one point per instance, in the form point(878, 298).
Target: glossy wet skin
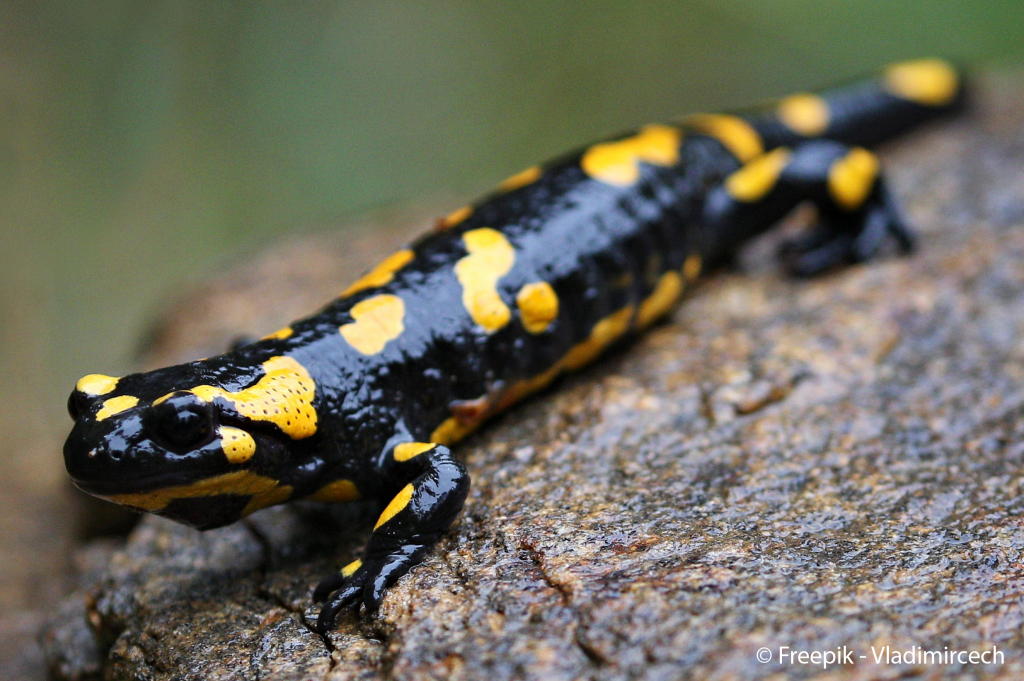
point(145, 442)
point(472, 319)
point(563, 260)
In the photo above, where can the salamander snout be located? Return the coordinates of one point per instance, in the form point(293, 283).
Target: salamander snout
point(100, 452)
point(121, 443)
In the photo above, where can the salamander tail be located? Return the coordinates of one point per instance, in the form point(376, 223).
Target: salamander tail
point(867, 112)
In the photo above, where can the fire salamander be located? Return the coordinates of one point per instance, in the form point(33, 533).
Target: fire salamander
point(364, 398)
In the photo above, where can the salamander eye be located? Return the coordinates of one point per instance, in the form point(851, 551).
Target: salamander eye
point(183, 422)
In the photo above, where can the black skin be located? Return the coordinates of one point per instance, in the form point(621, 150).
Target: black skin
point(601, 247)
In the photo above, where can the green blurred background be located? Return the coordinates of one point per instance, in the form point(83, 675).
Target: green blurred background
point(143, 143)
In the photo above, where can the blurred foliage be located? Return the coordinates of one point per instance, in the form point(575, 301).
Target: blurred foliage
point(143, 143)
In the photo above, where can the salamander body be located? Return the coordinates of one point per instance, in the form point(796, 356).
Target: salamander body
point(364, 398)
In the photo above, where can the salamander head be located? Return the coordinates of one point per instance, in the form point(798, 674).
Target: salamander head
point(199, 443)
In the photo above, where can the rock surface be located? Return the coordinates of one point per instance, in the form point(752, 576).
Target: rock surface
point(811, 464)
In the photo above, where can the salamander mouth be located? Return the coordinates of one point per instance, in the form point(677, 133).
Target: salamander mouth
point(142, 484)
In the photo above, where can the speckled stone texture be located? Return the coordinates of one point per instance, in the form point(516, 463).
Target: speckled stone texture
point(812, 464)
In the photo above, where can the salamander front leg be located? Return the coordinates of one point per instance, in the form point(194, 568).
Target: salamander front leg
point(416, 518)
point(856, 211)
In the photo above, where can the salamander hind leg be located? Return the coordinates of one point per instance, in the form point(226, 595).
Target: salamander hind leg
point(857, 215)
point(418, 515)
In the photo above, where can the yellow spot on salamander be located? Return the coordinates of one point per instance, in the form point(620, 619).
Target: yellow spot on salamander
point(738, 136)
point(520, 179)
point(396, 506)
point(377, 321)
point(115, 405)
point(538, 306)
point(237, 444)
point(338, 491)
point(806, 114)
point(409, 450)
point(665, 294)
point(273, 496)
point(351, 568)
point(754, 180)
point(280, 334)
point(604, 333)
point(618, 163)
point(283, 396)
point(96, 384)
point(452, 430)
point(931, 82)
point(851, 178)
point(263, 490)
point(455, 217)
point(691, 267)
point(382, 273)
point(490, 258)
point(521, 389)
